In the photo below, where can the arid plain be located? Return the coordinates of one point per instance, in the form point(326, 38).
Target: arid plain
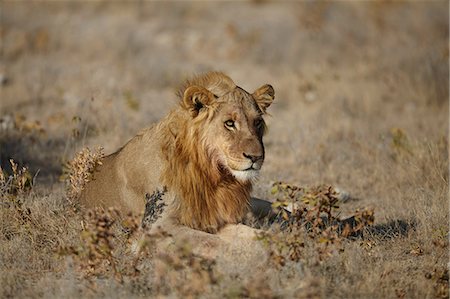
point(361, 104)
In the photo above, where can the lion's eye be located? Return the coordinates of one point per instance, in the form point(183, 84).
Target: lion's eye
point(229, 124)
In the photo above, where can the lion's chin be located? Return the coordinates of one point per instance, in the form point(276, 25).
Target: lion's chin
point(245, 175)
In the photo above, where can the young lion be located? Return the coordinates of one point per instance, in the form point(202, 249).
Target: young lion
point(202, 158)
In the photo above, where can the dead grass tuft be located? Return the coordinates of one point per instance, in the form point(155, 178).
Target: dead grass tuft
point(78, 171)
point(13, 188)
point(15, 184)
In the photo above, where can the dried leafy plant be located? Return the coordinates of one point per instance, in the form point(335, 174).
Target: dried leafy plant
point(313, 217)
point(98, 252)
point(27, 126)
point(440, 278)
point(13, 187)
point(17, 183)
point(177, 270)
point(183, 272)
point(78, 172)
point(400, 143)
point(257, 288)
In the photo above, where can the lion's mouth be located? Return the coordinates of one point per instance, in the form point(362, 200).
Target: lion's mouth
point(243, 165)
point(241, 170)
point(255, 166)
point(245, 175)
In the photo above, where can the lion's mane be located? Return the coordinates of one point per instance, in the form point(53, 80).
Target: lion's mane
point(207, 197)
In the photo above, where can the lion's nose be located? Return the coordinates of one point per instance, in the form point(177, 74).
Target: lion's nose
point(253, 158)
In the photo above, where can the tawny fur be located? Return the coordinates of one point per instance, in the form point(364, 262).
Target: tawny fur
point(187, 153)
point(216, 82)
point(209, 197)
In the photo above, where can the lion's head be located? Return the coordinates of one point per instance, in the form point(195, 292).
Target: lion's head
point(215, 149)
point(232, 122)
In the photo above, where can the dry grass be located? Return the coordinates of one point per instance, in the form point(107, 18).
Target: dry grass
point(361, 105)
point(78, 171)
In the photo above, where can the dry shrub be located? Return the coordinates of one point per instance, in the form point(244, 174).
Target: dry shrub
point(102, 241)
point(104, 252)
point(402, 255)
point(439, 276)
point(258, 288)
point(13, 187)
point(95, 252)
point(313, 217)
point(400, 142)
point(176, 270)
point(17, 183)
point(32, 226)
point(26, 126)
point(183, 273)
point(79, 171)
point(19, 123)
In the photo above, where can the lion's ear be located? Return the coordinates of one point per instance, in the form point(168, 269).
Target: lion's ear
point(264, 96)
point(196, 98)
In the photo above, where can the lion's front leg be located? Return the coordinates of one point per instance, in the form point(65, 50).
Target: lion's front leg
point(263, 212)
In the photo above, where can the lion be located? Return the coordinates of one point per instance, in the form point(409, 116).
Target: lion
point(203, 157)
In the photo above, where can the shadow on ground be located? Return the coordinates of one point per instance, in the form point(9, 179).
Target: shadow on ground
point(392, 229)
point(41, 155)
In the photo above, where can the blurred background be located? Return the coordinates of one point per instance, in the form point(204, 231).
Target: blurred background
point(351, 79)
